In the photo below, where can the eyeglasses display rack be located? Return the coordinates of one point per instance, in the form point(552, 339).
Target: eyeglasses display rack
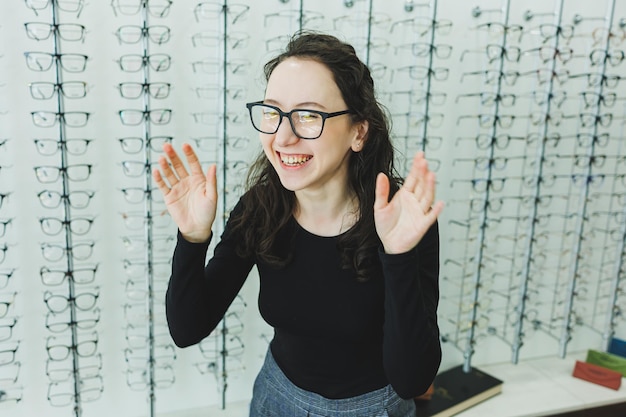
point(73, 363)
point(150, 354)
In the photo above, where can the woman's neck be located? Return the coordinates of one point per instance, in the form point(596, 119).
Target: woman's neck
point(328, 215)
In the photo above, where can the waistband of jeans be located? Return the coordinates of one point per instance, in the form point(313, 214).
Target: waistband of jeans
point(317, 403)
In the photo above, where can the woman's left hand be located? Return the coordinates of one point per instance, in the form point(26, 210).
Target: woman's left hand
point(402, 222)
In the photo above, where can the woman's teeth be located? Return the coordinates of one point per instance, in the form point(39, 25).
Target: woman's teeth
point(294, 160)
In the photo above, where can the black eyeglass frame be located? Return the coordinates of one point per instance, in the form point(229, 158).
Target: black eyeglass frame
point(282, 114)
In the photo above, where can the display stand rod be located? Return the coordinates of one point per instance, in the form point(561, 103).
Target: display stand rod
point(618, 277)
point(566, 330)
point(431, 42)
point(478, 259)
point(368, 36)
point(77, 407)
point(529, 252)
point(225, 209)
point(148, 209)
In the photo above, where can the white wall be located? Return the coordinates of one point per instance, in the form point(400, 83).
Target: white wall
point(586, 266)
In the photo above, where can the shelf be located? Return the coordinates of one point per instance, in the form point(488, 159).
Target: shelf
point(543, 387)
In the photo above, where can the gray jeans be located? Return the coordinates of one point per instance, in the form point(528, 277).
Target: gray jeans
point(274, 395)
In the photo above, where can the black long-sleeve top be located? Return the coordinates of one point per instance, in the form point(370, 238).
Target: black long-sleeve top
point(333, 335)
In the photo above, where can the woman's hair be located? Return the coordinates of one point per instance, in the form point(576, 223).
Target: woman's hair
point(268, 206)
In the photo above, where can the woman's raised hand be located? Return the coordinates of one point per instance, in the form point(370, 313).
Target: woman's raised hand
point(190, 197)
point(402, 222)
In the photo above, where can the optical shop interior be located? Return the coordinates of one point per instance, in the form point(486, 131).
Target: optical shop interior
point(518, 105)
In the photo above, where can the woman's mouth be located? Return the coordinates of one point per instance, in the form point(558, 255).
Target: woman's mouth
point(294, 160)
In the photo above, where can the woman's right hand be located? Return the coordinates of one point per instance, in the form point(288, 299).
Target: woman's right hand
point(190, 197)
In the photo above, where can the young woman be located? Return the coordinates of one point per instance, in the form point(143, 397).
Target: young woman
point(347, 253)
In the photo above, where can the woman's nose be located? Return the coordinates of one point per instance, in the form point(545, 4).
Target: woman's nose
point(285, 135)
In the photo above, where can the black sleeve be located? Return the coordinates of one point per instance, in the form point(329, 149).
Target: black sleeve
point(198, 296)
point(411, 344)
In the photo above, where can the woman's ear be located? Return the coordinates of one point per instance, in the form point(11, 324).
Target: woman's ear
point(361, 136)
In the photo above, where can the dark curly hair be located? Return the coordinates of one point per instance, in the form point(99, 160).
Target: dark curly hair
point(271, 206)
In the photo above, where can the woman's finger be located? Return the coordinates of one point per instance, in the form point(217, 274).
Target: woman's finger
point(382, 191)
point(158, 179)
point(192, 159)
point(175, 161)
point(414, 179)
point(169, 175)
point(427, 196)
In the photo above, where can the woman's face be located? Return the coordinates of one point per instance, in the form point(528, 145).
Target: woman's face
point(317, 165)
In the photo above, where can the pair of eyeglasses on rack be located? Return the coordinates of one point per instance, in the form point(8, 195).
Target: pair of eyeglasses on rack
point(362, 19)
point(136, 144)
point(213, 143)
point(70, 32)
point(490, 99)
point(155, 8)
point(78, 199)
point(53, 226)
point(233, 41)
point(54, 252)
point(504, 121)
point(132, 34)
point(135, 117)
point(49, 147)
point(496, 52)
point(163, 376)
point(5, 277)
point(420, 72)
point(138, 292)
point(69, 6)
point(47, 174)
point(62, 371)
point(137, 269)
point(60, 322)
point(305, 18)
point(59, 349)
point(549, 31)
point(424, 49)
point(53, 277)
point(134, 90)
point(137, 220)
point(136, 195)
point(548, 53)
point(595, 79)
point(43, 61)
point(158, 62)
point(69, 118)
point(423, 25)
point(213, 67)
point(42, 90)
point(64, 394)
point(494, 76)
point(208, 10)
point(499, 30)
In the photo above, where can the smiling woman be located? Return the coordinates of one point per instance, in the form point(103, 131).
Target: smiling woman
point(347, 252)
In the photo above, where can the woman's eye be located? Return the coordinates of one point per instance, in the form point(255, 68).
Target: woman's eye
point(270, 114)
point(305, 116)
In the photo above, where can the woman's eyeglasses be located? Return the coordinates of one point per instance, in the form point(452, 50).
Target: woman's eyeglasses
point(305, 124)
